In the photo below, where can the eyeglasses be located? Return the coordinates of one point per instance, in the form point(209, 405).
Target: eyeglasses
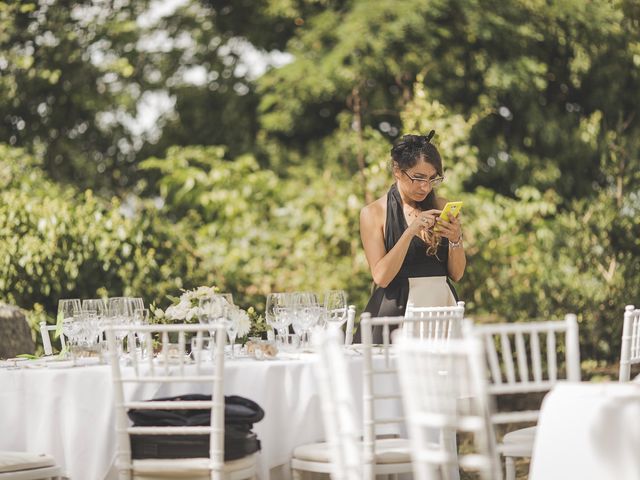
point(434, 182)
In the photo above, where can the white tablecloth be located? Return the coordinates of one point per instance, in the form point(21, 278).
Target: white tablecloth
point(69, 412)
point(588, 431)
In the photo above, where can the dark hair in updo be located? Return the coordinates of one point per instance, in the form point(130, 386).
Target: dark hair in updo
point(406, 153)
point(411, 148)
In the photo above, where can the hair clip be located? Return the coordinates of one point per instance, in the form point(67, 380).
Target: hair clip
point(430, 135)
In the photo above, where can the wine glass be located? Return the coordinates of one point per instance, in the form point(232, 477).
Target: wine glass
point(278, 312)
point(335, 304)
point(119, 313)
point(231, 326)
point(307, 311)
point(68, 309)
point(141, 318)
point(137, 303)
point(97, 305)
point(96, 310)
point(212, 310)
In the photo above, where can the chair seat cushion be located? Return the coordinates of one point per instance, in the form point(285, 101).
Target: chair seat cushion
point(388, 450)
point(191, 468)
point(17, 461)
point(518, 443)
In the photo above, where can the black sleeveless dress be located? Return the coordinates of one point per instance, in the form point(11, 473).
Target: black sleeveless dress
point(392, 300)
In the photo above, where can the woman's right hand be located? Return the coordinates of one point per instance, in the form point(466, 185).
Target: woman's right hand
point(424, 221)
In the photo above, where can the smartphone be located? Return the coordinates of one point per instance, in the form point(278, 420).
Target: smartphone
point(451, 209)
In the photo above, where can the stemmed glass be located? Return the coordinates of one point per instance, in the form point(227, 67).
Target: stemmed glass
point(306, 312)
point(133, 304)
point(216, 309)
point(119, 312)
point(209, 310)
point(96, 310)
point(335, 304)
point(231, 325)
point(68, 311)
point(141, 318)
point(278, 312)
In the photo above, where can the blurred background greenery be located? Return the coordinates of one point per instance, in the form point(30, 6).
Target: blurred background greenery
point(148, 147)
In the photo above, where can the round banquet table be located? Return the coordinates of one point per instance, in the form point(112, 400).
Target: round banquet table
point(69, 412)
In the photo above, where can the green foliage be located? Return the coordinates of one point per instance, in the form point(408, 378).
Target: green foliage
point(259, 326)
point(56, 242)
point(256, 232)
point(534, 104)
point(77, 75)
point(535, 254)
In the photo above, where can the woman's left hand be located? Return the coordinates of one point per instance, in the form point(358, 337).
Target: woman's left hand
point(451, 230)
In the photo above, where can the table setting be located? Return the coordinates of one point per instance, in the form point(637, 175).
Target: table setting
point(69, 394)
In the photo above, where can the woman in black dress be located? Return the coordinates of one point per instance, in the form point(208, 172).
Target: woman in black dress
point(409, 261)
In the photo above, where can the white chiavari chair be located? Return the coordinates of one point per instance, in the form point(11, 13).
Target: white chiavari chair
point(444, 389)
point(435, 322)
point(28, 466)
point(376, 449)
point(526, 370)
point(381, 456)
point(338, 408)
point(46, 338)
point(630, 349)
point(171, 367)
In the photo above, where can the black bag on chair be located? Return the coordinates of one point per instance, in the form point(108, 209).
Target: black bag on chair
point(239, 441)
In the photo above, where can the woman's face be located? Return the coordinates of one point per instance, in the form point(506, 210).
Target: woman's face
point(415, 182)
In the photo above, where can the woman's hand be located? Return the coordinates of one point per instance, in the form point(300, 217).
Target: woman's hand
point(424, 221)
point(451, 230)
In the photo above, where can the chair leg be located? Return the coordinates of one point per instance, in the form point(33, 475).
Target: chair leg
point(510, 468)
point(296, 475)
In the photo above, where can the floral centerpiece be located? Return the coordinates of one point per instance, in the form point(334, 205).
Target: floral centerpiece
point(186, 308)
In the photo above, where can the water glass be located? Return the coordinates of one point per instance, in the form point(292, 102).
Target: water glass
point(67, 309)
point(141, 318)
point(335, 305)
point(278, 312)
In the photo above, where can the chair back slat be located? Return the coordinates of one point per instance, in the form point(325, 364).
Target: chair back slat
point(536, 358)
point(552, 366)
point(348, 331)
point(630, 349)
point(507, 358)
point(521, 355)
point(494, 363)
point(636, 339)
point(148, 341)
point(635, 351)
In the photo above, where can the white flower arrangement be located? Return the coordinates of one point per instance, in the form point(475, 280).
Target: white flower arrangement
point(187, 308)
point(242, 320)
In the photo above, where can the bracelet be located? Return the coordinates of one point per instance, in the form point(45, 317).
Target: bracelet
point(457, 244)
